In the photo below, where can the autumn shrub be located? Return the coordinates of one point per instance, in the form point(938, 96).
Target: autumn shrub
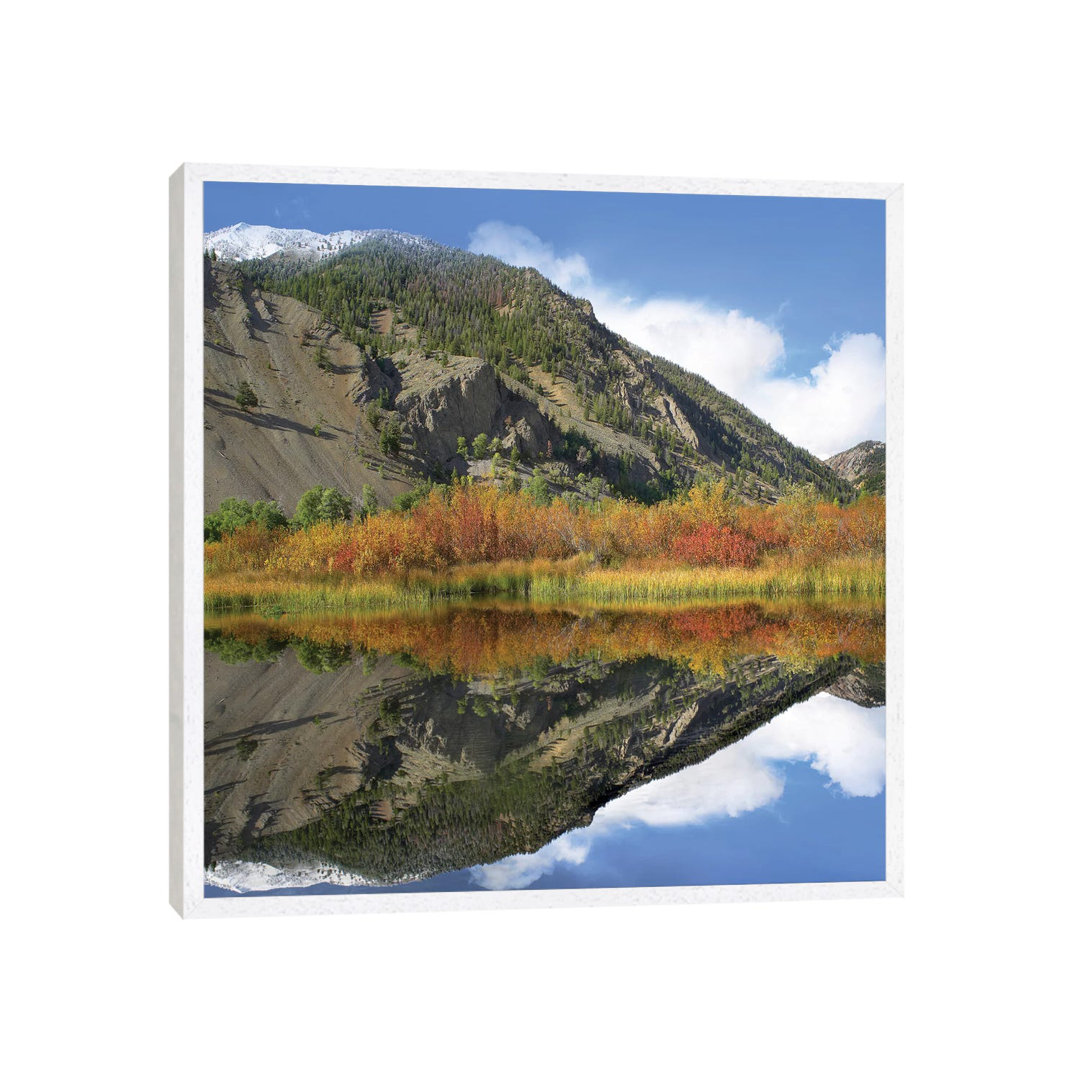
point(476, 525)
point(712, 545)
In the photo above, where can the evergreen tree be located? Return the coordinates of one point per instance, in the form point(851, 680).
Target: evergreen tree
point(390, 438)
point(245, 397)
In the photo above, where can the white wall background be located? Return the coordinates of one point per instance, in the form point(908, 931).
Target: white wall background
point(969, 106)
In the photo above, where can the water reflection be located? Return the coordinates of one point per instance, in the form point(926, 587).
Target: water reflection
point(838, 739)
point(502, 745)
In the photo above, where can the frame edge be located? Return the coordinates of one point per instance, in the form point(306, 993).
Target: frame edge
point(176, 538)
point(185, 566)
point(185, 689)
point(894, 516)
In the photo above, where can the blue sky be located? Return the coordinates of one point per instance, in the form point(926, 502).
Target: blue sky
point(778, 301)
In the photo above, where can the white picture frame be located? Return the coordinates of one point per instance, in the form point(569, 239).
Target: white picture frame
point(186, 546)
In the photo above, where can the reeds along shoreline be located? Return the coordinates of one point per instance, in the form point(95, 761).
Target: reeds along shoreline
point(839, 578)
point(487, 543)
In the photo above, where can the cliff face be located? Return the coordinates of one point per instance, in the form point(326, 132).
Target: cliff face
point(468, 399)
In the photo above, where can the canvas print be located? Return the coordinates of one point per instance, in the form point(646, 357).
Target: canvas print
point(544, 539)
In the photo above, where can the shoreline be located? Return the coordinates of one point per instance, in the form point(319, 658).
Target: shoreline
point(252, 591)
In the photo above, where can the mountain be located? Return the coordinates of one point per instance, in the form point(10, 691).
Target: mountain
point(372, 354)
point(863, 466)
point(242, 241)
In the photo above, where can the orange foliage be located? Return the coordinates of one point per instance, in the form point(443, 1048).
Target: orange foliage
point(475, 524)
point(473, 640)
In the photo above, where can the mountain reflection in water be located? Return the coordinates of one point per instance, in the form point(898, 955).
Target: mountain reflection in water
point(511, 745)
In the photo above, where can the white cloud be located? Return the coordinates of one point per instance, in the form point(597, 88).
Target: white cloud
point(732, 350)
point(520, 871)
point(732, 782)
point(518, 246)
point(841, 402)
point(841, 740)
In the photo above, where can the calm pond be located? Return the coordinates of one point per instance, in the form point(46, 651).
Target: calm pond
point(496, 745)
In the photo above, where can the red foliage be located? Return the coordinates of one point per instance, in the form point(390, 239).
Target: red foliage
point(477, 524)
point(344, 559)
point(715, 545)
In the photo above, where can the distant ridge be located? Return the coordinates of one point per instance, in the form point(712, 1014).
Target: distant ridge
point(863, 466)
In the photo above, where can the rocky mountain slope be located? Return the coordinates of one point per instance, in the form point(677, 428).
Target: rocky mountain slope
point(863, 466)
point(370, 360)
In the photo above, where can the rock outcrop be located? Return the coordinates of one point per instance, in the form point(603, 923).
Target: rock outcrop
point(467, 398)
point(863, 466)
point(864, 686)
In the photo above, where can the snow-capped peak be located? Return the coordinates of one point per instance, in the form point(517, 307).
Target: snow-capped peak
point(239, 876)
point(244, 241)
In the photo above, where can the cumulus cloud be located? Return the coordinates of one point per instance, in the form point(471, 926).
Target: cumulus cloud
point(733, 351)
point(520, 871)
point(839, 739)
point(518, 246)
point(841, 402)
point(732, 782)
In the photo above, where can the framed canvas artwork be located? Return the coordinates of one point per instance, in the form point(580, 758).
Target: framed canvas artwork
point(535, 540)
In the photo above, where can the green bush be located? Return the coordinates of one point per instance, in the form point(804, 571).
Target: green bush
point(234, 514)
point(538, 489)
point(322, 504)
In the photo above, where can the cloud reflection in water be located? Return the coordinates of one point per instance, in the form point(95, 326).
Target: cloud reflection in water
point(841, 740)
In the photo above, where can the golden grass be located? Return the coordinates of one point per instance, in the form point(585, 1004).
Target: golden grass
point(545, 581)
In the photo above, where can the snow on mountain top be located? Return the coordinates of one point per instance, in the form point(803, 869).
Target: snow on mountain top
point(245, 877)
point(244, 241)
point(240, 876)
